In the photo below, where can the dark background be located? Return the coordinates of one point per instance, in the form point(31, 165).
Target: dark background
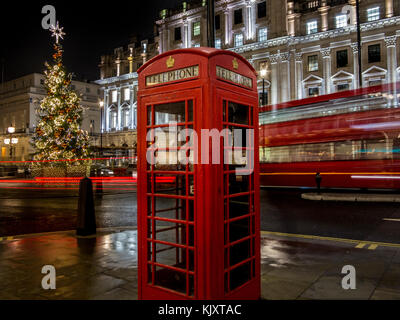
point(92, 29)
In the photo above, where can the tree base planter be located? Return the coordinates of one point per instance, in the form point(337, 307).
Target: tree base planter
point(58, 172)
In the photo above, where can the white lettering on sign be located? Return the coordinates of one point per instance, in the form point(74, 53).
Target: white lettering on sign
point(234, 77)
point(180, 74)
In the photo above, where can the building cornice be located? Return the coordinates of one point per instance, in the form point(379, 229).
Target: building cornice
point(124, 77)
point(287, 40)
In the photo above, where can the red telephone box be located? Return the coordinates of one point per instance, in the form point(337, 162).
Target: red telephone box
point(198, 219)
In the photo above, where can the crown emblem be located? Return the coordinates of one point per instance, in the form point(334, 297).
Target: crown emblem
point(170, 62)
point(235, 64)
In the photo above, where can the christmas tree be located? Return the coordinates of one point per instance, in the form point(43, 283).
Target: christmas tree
point(58, 133)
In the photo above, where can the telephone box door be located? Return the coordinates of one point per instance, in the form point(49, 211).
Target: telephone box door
point(169, 262)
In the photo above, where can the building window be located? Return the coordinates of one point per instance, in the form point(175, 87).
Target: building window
point(313, 63)
point(217, 22)
point(126, 117)
point(262, 34)
point(341, 58)
point(196, 45)
point(42, 81)
point(114, 96)
point(238, 40)
point(238, 16)
point(178, 34)
point(341, 21)
point(313, 92)
point(313, 4)
point(196, 28)
point(127, 94)
point(312, 27)
point(218, 43)
point(113, 122)
point(374, 53)
point(373, 14)
point(262, 10)
point(87, 90)
point(343, 87)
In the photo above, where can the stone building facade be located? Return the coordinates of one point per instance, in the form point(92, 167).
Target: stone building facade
point(304, 47)
point(19, 99)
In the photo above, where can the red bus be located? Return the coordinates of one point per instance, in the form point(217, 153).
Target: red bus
point(352, 138)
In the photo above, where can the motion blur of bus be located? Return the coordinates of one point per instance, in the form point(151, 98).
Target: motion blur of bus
point(352, 138)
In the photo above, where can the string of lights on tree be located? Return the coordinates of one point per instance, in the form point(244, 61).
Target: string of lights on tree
point(58, 133)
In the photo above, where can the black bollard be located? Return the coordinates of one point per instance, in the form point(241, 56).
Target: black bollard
point(318, 179)
point(86, 224)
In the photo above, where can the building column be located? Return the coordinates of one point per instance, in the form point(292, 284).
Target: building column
point(131, 102)
point(274, 78)
point(389, 8)
point(285, 76)
point(323, 11)
point(161, 40)
point(119, 113)
point(356, 67)
point(228, 31)
point(106, 114)
point(326, 56)
point(249, 21)
point(299, 75)
point(185, 33)
point(291, 17)
point(391, 58)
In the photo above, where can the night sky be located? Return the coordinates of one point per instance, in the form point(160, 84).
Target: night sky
point(93, 28)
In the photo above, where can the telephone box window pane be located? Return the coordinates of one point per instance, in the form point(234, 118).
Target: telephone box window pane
point(149, 206)
point(240, 275)
point(238, 206)
point(170, 279)
point(238, 113)
point(149, 118)
point(190, 110)
point(149, 273)
point(170, 184)
point(170, 208)
point(238, 184)
point(239, 229)
point(191, 285)
point(169, 112)
point(240, 252)
point(170, 232)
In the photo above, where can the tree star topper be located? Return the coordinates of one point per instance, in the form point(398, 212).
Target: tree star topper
point(57, 32)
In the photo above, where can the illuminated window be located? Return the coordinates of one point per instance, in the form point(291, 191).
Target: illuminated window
point(238, 40)
point(127, 94)
point(313, 63)
point(313, 92)
point(196, 45)
point(373, 14)
point(218, 43)
point(196, 28)
point(262, 34)
point(341, 21)
point(312, 27)
point(114, 96)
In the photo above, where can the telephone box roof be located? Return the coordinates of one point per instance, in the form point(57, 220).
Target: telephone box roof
point(203, 51)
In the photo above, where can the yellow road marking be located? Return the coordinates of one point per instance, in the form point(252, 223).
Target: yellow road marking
point(361, 245)
point(9, 238)
point(372, 247)
point(351, 241)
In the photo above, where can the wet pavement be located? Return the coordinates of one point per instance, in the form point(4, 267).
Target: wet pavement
point(105, 267)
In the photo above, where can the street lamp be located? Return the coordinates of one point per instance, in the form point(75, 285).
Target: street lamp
point(263, 73)
point(11, 140)
point(101, 105)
